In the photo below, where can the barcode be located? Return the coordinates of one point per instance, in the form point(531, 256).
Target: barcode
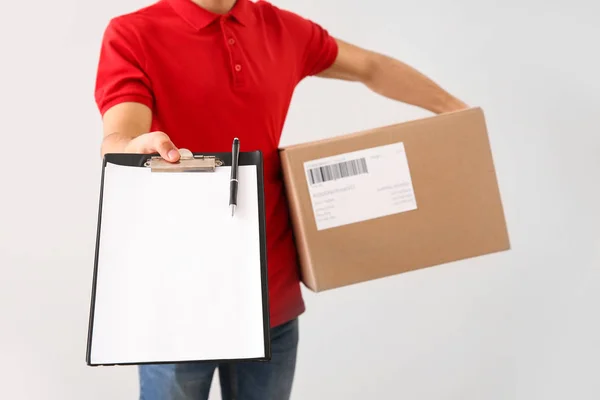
point(337, 171)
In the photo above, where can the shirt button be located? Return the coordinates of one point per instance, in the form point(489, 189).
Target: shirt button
point(238, 67)
point(231, 41)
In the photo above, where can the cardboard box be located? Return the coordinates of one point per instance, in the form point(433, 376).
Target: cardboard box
point(394, 199)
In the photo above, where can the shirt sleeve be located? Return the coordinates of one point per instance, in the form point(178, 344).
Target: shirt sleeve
point(121, 76)
point(317, 49)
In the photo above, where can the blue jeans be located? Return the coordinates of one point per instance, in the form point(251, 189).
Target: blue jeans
point(239, 381)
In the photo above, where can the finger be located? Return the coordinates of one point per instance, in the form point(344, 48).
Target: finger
point(163, 145)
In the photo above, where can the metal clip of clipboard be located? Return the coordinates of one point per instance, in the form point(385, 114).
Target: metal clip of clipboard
point(188, 162)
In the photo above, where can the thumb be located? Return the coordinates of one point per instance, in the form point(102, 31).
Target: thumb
point(165, 147)
point(173, 155)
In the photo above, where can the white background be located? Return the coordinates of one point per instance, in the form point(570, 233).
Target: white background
point(522, 324)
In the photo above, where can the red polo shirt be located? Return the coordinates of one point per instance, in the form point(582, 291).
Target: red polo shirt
point(208, 78)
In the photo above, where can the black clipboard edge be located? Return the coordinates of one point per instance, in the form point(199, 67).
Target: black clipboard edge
point(88, 354)
point(138, 160)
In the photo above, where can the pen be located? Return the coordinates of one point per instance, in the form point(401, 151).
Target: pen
point(233, 183)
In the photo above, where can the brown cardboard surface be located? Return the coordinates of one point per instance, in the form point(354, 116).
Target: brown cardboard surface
point(459, 211)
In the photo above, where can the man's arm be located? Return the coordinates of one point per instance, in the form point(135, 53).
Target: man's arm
point(124, 96)
point(390, 78)
point(126, 129)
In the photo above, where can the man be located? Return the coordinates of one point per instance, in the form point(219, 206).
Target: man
point(196, 73)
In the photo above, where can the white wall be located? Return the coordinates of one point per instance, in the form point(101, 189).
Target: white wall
point(522, 324)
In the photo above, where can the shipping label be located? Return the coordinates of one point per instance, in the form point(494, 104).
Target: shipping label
point(359, 186)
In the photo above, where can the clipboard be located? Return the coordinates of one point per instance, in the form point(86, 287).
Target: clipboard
point(211, 304)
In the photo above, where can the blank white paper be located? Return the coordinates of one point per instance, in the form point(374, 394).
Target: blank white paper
point(178, 278)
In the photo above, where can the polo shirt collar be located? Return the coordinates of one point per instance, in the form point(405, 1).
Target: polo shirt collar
point(200, 18)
